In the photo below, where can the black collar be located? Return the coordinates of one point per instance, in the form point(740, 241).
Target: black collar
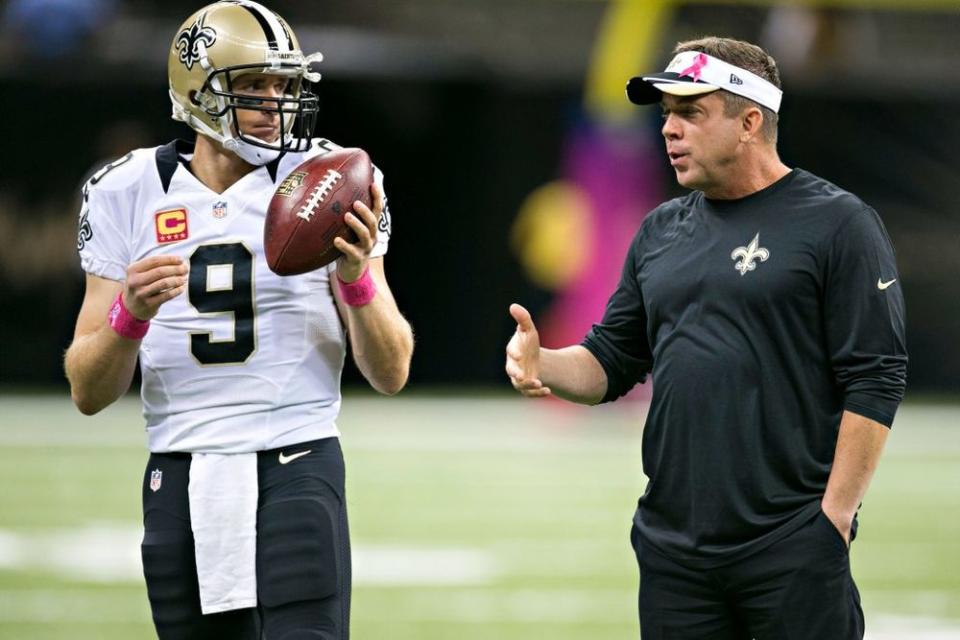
point(171, 154)
point(168, 156)
point(272, 167)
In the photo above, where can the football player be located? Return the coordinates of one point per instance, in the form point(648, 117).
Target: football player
point(245, 526)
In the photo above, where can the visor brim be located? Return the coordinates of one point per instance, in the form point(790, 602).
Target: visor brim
point(650, 89)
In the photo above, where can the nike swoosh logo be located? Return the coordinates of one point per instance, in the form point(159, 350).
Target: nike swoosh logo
point(288, 459)
point(883, 285)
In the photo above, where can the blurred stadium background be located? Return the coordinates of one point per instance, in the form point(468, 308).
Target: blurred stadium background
point(516, 172)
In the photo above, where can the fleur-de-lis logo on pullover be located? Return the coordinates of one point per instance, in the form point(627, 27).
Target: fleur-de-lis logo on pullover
point(748, 254)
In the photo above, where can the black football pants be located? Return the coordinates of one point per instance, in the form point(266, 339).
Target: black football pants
point(799, 588)
point(303, 551)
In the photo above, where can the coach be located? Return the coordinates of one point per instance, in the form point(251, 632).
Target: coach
point(767, 307)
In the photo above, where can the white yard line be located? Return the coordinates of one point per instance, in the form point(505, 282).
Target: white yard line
point(109, 553)
point(911, 628)
point(77, 606)
point(422, 566)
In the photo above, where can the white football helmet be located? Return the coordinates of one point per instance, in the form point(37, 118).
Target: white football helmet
point(222, 41)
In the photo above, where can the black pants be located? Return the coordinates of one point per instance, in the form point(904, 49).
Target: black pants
point(799, 588)
point(303, 550)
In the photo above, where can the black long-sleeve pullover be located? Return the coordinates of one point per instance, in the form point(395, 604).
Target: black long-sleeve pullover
point(761, 320)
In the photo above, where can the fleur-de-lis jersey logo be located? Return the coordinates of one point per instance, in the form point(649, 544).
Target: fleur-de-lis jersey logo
point(748, 254)
point(385, 224)
point(189, 39)
point(84, 230)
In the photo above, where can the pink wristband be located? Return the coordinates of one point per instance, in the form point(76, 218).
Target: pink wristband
point(360, 292)
point(124, 323)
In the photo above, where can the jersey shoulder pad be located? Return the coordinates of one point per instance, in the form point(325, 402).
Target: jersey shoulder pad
point(122, 173)
point(318, 147)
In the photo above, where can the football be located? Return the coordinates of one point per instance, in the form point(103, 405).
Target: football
point(307, 210)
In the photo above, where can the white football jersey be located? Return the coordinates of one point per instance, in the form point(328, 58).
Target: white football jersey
point(244, 360)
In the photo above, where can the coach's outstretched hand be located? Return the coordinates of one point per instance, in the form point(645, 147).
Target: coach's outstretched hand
point(523, 356)
point(153, 281)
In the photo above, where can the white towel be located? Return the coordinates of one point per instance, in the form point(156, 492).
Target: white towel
point(223, 513)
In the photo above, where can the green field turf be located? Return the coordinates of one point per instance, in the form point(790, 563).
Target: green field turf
point(475, 517)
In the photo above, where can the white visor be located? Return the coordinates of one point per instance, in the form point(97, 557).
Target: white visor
point(693, 73)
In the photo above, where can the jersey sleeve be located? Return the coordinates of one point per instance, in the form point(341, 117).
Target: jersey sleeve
point(619, 342)
point(865, 318)
point(384, 227)
point(102, 242)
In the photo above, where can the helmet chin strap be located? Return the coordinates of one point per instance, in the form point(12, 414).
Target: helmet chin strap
point(257, 156)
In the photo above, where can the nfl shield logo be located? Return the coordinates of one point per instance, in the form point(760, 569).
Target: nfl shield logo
point(156, 477)
point(220, 209)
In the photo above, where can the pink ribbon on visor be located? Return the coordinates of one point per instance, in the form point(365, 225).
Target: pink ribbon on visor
point(694, 70)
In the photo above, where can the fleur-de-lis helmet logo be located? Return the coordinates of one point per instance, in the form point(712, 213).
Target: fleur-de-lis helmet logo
point(748, 254)
point(189, 39)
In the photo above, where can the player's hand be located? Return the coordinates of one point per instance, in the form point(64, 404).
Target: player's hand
point(363, 221)
point(523, 356)
point(153, 281)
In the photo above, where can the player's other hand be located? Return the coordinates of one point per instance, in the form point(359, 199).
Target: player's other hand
point(153, 281)
point(523, 356)
point(363, 221)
